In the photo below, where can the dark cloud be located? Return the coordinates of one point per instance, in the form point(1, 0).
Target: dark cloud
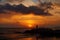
point(23, 9)
point(38, 11)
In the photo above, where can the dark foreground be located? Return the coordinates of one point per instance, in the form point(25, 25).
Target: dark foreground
point(24, 37)
point(33, 34)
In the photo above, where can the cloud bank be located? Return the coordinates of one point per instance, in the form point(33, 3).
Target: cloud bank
point(23, 9)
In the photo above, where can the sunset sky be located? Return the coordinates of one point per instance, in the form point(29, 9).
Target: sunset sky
point(19, 20)
point(26, 2)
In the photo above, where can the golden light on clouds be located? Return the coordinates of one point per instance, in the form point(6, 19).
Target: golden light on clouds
point(29, 20)
point(25, 20)
point(30, 23)
point(29, 3)
point(22, 17)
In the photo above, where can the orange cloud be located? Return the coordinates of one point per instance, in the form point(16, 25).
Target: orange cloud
point(30, 19)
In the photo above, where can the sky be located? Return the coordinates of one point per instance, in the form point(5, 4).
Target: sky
point(26, 2)
point(28, 17)
point(16, 2)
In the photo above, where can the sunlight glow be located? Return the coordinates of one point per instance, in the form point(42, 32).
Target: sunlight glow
point(30, 25)
point(28, 21)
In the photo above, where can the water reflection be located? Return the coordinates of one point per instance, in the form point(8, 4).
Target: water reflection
point(40, 39)
point(23, 37)
point(26, 39)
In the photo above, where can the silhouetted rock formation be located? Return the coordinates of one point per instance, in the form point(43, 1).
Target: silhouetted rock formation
point(44, 32)
point(57, 33)
point(4, 38)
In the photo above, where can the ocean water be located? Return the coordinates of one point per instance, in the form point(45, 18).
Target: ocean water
point(24, 37)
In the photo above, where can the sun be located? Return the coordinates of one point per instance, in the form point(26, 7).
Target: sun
point(29, 25)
